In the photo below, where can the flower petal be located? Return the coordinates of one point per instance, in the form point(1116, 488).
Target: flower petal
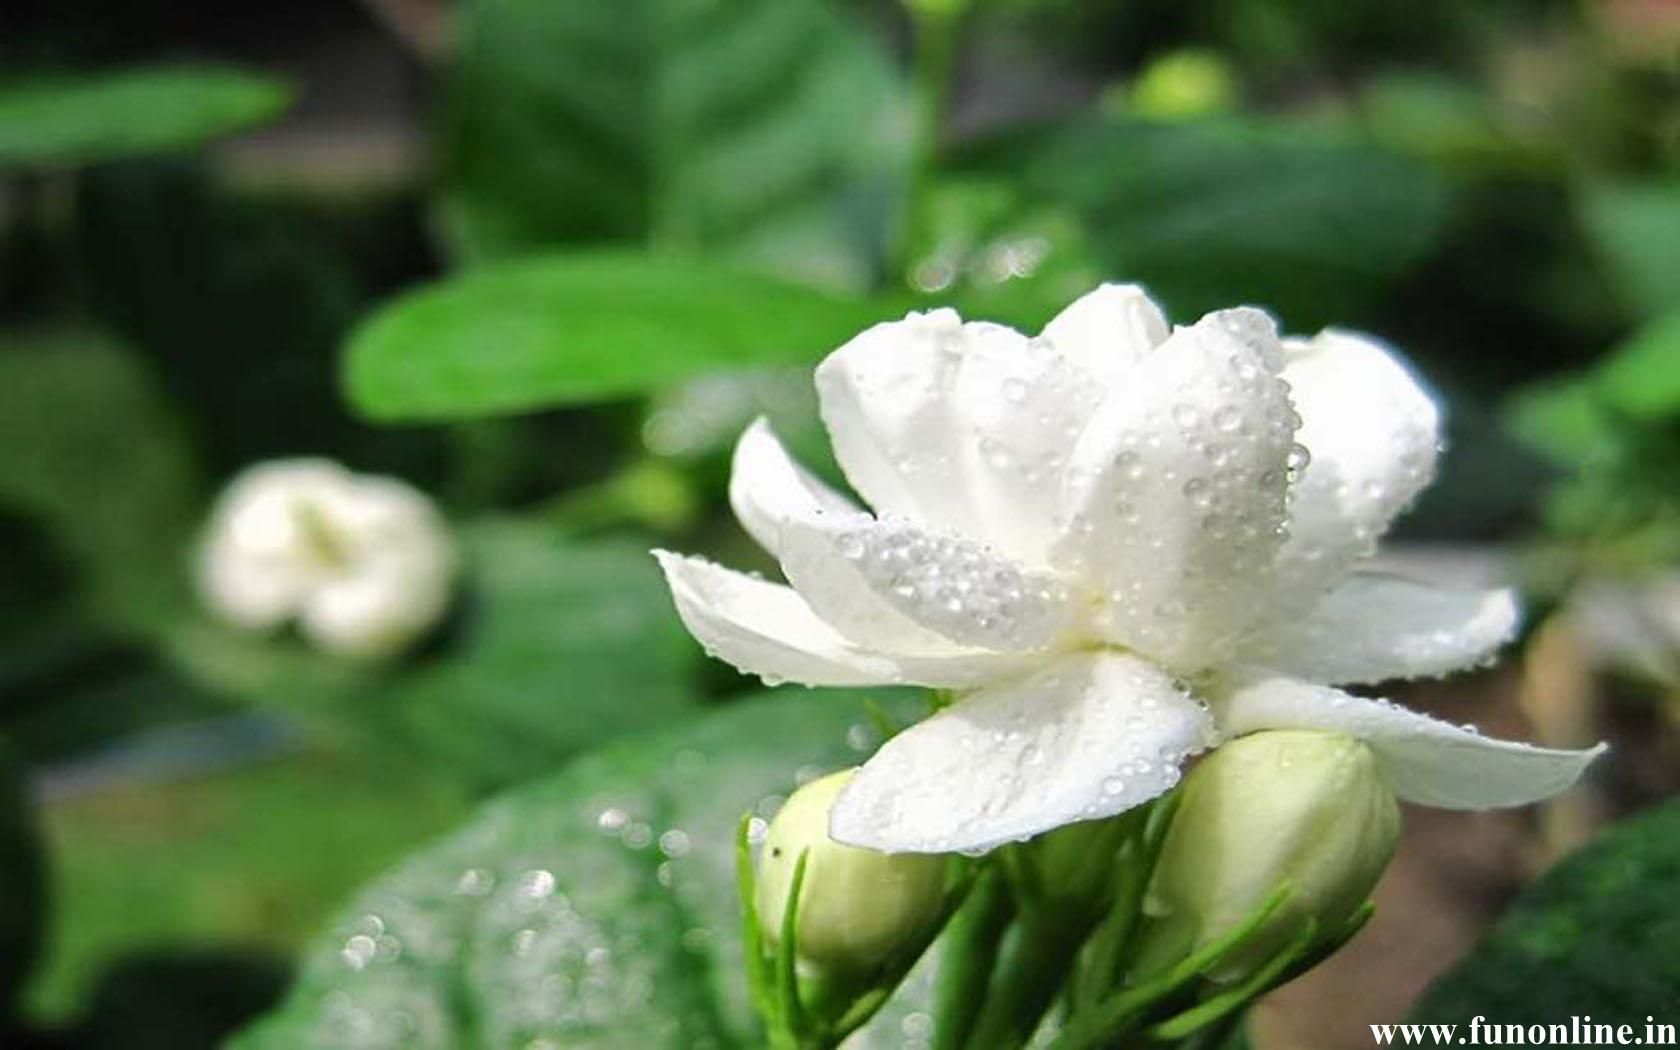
point(766, 629)
point(948, 589)
point(1107, 331)
point(1427, 761)
point(958, 428)
point(766, 488)
point(1372, 627)
point(1175, 497)
point(1374, 435)
point(886, 586)
point(1086, 737)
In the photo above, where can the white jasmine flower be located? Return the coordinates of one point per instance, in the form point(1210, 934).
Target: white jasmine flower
point(363, 564)
point(1116, 543)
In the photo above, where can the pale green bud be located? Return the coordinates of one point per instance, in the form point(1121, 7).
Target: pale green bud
point(1303, 807)
point(856, 905)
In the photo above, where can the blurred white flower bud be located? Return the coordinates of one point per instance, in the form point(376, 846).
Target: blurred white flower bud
point(1301, 806)
point(856, 905)
point(363, 564)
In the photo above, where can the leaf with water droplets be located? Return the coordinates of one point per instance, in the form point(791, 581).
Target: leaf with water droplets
point(596, 908)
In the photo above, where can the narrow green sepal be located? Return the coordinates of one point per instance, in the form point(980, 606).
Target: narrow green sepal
point(752, 934)
point(1109, 1019)
point(1222, 1004)
point(790, 1012)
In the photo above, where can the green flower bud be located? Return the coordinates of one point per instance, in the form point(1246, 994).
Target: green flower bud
point(856, 906)
point(1306, 807)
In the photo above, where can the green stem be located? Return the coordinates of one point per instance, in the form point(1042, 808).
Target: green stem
point(1037, 955)
point(966, 962)
point(934, 29)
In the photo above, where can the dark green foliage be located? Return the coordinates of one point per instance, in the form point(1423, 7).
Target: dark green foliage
point(23, 896)
point(1594, 938)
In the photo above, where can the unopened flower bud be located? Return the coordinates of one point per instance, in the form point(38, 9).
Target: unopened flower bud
point(856, 906)
point(1305, 808)
point(364, 565)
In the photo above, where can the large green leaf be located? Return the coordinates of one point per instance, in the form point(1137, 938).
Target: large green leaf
point(89, 446)
point(1636, 228)
point(1304, 221)
point(1595, 937)
point(558, 646)
point(758, 126)
point(85, 117)
point(565, 329)
point(592, 909)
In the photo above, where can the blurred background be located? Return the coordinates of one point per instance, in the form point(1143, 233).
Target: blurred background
point(211, 214)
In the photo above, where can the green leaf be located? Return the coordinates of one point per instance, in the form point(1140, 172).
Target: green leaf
point(22, 890)
point(256, 857)
point(759, 126)
point(557, 646)
point(1565, 420)
point(567, 329)
point(90, 447)
point(1635, 227)
point(1595, 937)
point(1309, 223)
point(566, 645)
point(1641, 379)
point(596, 908)
point(86, 117)
point(1591, 418)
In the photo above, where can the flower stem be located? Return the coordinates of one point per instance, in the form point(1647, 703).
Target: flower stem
point(1036, 957)
point(934, 30)
point(966, 962)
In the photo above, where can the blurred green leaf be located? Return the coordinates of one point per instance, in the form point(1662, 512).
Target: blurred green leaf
point(79, 118)
point(23, 898)
point(253, 858)
point(566, 329)
point(596, 908)
point(1307, 222)
point(90, 447)
point(1592, 417)
point(1641, 379)
point(565, 645)
point(1440, 119)
point(558, 645)
point(1595, 937)
point(1636, 228)
point(764, 127)
point(1565, 419)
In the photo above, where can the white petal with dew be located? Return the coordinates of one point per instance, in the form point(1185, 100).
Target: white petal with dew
point(958, 428)
point(1373, 627)
point(1373, 435)
point(1109, 330)
point(767, 488)
point(950, 586)
point(766, 629)
point(1175, 497)
point(1426, 760)
point(1085, 737)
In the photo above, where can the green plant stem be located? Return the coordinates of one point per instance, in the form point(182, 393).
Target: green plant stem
point(934, 31)
point(1037, 955)
point(965, 967)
